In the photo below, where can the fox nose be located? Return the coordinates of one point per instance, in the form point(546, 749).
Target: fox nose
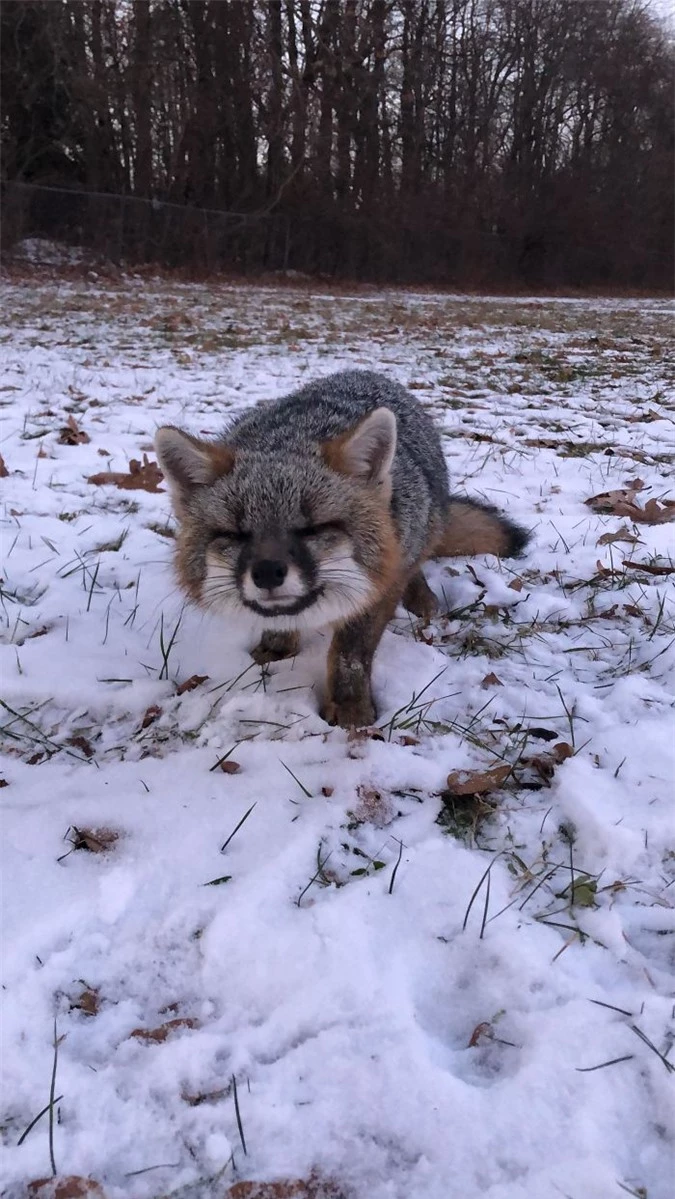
point(268, 573)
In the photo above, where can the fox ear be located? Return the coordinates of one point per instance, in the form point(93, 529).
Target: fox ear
point(188, 462)
point(366, 452)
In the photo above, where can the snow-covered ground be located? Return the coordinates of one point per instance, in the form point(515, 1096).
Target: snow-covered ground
point(383, 1031)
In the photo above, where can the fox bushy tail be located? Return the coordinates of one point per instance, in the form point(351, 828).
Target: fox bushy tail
point(475, 528)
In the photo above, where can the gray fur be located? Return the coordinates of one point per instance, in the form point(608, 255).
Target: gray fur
point(318, 509)
point(326, 408)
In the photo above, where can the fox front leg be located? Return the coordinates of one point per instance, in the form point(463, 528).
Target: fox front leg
point(349, 698)
point(275, 646)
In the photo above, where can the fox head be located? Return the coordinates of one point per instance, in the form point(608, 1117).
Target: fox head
point(294, 540)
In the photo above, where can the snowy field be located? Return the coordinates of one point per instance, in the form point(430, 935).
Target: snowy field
point(274, 952)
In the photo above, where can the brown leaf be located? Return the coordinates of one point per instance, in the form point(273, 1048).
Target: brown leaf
point(545, 763)
point(562, 751)
point(145, 477)
point(623, 503)
point(195, 680)
point(622, 534)
point(3, 468)
point(516, 585)
point(374, 807)
point(650, 567)
point(644, 418)
point(491, 680)
point(71, 1186)
point(95, 840)
point(408, 739)
point(482, 1032)
point(150, 715)
point(81, 743)
point(196, 1098)
point(71, 434)
point(87, 1002)
point(327, 791)
point(657, 512)
point(477, 782)
point(160, 1033)
point(298, 1188)
point(230, 767)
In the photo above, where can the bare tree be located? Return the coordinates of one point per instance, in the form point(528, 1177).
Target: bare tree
point(460, 141)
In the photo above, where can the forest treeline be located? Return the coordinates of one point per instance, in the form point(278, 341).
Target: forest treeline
point(470, 142)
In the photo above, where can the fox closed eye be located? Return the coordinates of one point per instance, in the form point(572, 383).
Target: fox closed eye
point(236, 535)
point(330, 526)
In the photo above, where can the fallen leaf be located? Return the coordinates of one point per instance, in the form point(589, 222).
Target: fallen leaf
point(327, 791)
point(145, 477)
point(644, 417)
point(150, 715)
point(482, 1032)
point(3, 782)
point(545, 764)
point(374, 807)
point(159, 1034)
point(195, 680)
point(491, 680)
point(95, 840)
point(71, 434)
point(3, 468)
point(195, 1099)
point(651, 568)
point(81, 743)
point(298, 1188)
point(87, 1002)
point(542, 734)
point(408, 739)
point(562, 751)
point(622, 534)
point(477, 782)
point(623, 503)
point(658, 512)
point(71, 1186)
point(230, 767)
point(516, 585)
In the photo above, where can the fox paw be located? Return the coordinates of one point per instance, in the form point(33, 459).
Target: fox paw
point(274, 647)
point(350, 714)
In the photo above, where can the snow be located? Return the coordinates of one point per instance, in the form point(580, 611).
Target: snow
point(346, 1008)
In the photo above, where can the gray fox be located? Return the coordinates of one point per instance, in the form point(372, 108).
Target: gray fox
point(318, 510)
